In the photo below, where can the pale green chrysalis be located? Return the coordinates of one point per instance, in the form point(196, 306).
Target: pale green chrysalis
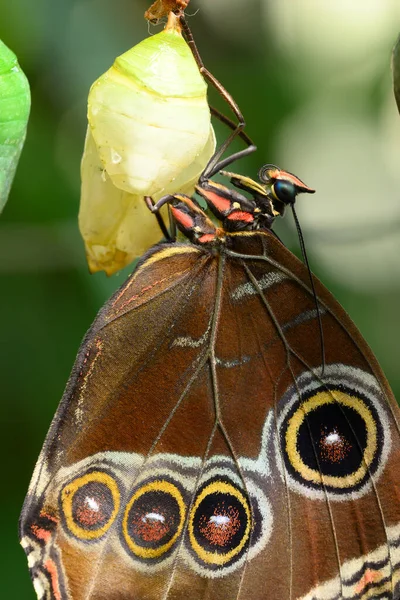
point(115, 225)
point(15, 102)
point(149, 134)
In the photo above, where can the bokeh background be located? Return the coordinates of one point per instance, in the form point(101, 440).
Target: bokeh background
point(313, 79)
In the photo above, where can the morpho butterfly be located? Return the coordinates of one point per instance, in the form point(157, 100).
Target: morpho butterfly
point(211, 444)
point(205, 447)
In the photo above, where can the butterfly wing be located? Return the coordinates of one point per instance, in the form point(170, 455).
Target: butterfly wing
point(202, 451)
point(330, 460)
point(129, 413)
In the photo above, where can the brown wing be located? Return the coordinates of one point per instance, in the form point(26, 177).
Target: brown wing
point(201, 452)
point(128, 399)
point(331, 457)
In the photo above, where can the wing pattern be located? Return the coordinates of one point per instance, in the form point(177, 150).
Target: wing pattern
point(203, 450)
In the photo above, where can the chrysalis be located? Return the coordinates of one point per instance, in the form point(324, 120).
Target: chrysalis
point(117, 226)
point(15, 102)
point(149, 134)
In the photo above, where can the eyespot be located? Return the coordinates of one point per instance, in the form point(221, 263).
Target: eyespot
point(89, 505)
point(332, 437)
point(284, 191)
point(219, 523)
point(153, 519)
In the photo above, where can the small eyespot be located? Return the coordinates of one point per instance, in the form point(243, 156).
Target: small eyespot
point(89, 505)
point(153, 519)
point(284, 191)
point(219, 523)
point(330, 440)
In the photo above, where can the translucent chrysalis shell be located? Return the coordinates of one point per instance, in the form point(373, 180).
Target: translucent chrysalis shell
point(149, 134)
point(117, 226)
point(15, 104)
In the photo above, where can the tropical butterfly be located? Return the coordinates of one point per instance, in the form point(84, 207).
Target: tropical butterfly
point(208, 446)
point(15, 102)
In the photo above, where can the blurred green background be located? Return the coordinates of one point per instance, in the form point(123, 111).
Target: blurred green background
point(312, 79)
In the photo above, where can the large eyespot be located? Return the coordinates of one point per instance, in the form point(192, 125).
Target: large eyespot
point(219, 523)
point(153, 519)
point(332, 437)
point(284, 191)
point(90, 504)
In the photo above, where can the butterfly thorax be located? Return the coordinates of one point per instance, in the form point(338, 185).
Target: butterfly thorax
point(236, 212)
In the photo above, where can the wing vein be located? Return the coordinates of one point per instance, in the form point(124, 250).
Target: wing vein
point(324, 384)
point(292, 276)
point(289, 351)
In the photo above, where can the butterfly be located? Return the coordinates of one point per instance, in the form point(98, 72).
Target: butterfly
point(210, 444)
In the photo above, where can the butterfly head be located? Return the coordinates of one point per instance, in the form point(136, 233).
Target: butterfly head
point(283, 186)
point(236, 212)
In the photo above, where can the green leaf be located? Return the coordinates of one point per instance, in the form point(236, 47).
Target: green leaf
point(15, 102)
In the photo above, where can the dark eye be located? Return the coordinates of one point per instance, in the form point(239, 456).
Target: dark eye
point(285, 191)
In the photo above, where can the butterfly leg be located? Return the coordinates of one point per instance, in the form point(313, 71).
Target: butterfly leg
point(170, 237)
point(229, 123)
point(214, 167)
point(237, 130)
point(190, 219)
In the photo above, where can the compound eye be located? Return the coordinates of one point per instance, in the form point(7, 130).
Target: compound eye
point(153, 519)
point(284, 191)
point(219, 524)
point(89, 505)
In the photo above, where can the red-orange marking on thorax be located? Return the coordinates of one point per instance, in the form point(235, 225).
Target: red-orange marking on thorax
point(182, 218)
point(207, 237)
point(241, 216)
point(222, 204)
